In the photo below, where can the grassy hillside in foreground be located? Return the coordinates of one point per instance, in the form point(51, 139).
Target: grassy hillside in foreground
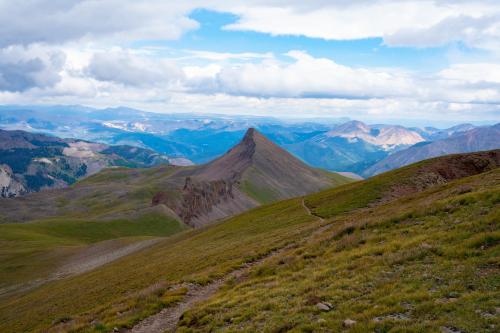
point(427, 261)
point(123, 292)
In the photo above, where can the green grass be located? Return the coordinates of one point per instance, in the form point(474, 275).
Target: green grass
point(360, 194)
point(197, 256)
point(432, 257)
point(31, 250)
point(262, 195)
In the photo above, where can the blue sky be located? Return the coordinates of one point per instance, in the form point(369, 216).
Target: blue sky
point(211, 36)
point(425, 61)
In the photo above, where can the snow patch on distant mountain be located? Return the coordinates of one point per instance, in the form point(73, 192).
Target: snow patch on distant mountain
point(179, 161)
point(386, 136)
point(82, 149)
point(128, 126)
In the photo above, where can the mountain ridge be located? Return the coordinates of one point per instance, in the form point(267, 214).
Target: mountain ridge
point(31, 162)
point(475, 139)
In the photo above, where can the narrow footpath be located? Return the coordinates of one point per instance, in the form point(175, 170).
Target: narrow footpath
point(167, 319)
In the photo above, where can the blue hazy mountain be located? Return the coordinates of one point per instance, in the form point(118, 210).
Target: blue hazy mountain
point(336, 144)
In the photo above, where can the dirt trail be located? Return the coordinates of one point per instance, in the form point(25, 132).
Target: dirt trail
point(309, 212)
point(167, 319)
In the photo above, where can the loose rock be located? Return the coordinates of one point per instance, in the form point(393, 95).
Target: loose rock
point(349, 323)
point(324, 306)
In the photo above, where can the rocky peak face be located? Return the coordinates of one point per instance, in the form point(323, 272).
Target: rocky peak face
point(198, 198)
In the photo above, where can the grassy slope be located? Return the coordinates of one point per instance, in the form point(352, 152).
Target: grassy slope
point(109, 193)
point(196, 255)
point(32, 250)
point(407, 257)
point(264, 194)
point(432, 260)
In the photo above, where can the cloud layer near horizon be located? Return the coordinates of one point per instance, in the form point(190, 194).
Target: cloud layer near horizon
point(77, 52)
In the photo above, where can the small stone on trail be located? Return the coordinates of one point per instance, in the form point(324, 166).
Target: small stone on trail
point(324, 306)
point(349, 322)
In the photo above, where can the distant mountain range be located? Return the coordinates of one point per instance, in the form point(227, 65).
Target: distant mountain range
point(468, 139)
point(337, 145)
point(30, 162)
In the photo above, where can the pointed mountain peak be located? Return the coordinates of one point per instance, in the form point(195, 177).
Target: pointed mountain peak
point(249, 135)
point(253, 138)
point(253, 134)
point(250, 132)
point(253, 150)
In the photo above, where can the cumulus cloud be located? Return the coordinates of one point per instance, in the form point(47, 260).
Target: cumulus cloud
point(58, 21)
point(130, 69)
point(22, 69)
point(128, 75)
point(73, 51)
point(307, 76)
point(422, 23)
point(402, 23)
point(482, 32)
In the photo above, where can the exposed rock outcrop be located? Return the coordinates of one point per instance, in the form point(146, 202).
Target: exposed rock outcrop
point(9, 186)
point(199, 198)
point(445, 169)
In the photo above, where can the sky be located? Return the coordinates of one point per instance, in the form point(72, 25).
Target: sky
point(404, 61)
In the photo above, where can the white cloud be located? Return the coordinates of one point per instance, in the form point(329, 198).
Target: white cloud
point(481, 32)
point(24, 68)
point(422, 23)
point(126, 67)
point(419, 23)
point(57, 21)
point(302, 85)
point(307, 76)
point(71, 52)
point(223, 56)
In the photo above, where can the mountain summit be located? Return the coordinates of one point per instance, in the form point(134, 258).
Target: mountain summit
point(255, 171)
point(265, 170)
